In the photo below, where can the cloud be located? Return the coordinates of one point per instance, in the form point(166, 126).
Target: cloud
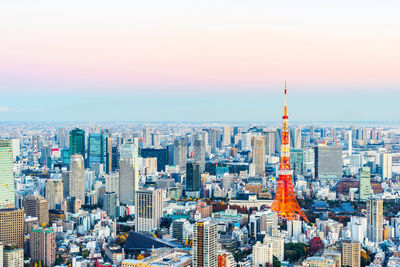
point(4, 108)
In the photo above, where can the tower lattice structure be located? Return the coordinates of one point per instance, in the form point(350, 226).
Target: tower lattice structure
point(285, 202)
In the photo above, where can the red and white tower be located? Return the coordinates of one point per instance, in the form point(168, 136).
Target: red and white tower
point(285, 202)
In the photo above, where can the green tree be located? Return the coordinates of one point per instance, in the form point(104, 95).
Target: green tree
point(276, 262)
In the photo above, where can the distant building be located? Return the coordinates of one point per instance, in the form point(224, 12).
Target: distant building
point(180, 153)
point(200, 154)
point(12, 227)
point(99, 150)
point(160, 154)
point(295, 138)
point(259, 154)
point(193, 179)
point(365, 184)
point(328, 162)
point(7, 191)
point(37, 206)
point(110, 204)
point(351, 251)
point(76, 178)
point(386, 166)
point(43, 246)
point(205, 244)
point(375, 220)
point(54, 192)
point(148, 210)
point(128, 173)
point(77, 142)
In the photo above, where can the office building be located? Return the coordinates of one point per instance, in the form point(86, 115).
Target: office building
point(193, 179)
point(180, 153)
point(278, 245)
point(148, 210)
point(128, 173)
point(205, 243)
point(7, 191)
point(76, 178)
point(200, 154)
point(328, 162)
point(110, 204)
point(37, 206)
point(365, 184)
point(161, 155)
point(99, 150)
point(351, 251)
point(77, 142)
point(12, 227)
point(155, 138)
point(295, 138)
point(258, 151)
point(262, 254)
point(386, 166)
point(54, 192)
point(270, 142)
point(112, 183)
point(375, 220)
point(43, 246)
point(226, 136)
point(12, 257)
point(146, 137)
point(178, 230)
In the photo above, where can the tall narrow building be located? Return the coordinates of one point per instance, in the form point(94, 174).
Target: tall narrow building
point(258, 151)
point(227, 136)
point(37, 206)
point(128, 174)
point(180, 153)
point(193, 179)
point(200, 154)
point(351, 251)
point(148, 210)
point(7, 191)
point(76, 179)
point(205, 243)
point(285, 202)
point(54, 192)
point(43, 246)
point(365, 184)
point(375, 220)
point(386, 166)
point(77, 142)
point(12, 227)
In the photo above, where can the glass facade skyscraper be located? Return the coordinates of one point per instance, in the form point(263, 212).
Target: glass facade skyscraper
point(77, 142)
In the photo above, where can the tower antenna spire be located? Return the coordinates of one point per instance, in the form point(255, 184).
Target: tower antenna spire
point(285, 116)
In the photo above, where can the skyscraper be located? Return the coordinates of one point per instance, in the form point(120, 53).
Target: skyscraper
point(328, 162)
point(351, 251)
point(375, 220)
point(128, 173)
point(227, 136)
point(205, 243)
point(7, 191)
point(43, 246)
point(259, 154)
point(295, 138)
point(99, 150)
point(77, 142)
point(386, 166)
point(76, 179)
point(54, 192)
point(200, 154)
point(110, 204)
point(193, 179)
point(148, 210)
point(213, 140)
point(146, 137)
point(365, 183)
point(270, 142)
point(12, 227)
point(37, 206)
point(180, 153)
point(262, 254)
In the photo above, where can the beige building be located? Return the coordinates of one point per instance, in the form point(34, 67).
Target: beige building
point(13, 257)
point(319, 262)
point(258, 153)
point(43, 246)
point(37, 206)
point(351, 251)
point(205, 244)
point(148, 210)
point(112, 183)
point(54, 192)
point(278, 245)
point(12, 227)
point(262, 254)
point(375, 220)
point(76, 178)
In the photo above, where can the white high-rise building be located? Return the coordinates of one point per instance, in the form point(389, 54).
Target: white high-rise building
point(258, 152)
point(148, 210)
point(294, 229)
point(7, 191)
point(295, 138)
point(128, 173)
point(205, 243)
point(386, 166)
point(262, 254)
point(227, 136)
point(76, 180)
point(54, 192)
point(246, 141)
point(270, 142)
point(278, 245)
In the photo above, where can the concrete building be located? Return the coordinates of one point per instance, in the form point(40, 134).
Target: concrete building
point(328, 162)
point(12, 257)
point(54, 192)
point(148, 210)
point(351, 251)
point(112, 183)
point(180, 153)
point(200, 154)
point(226, 136)
point(128, 173)
point(365, 184)
point(37, 206)
point(262, 254)
point(258, 151)
point(12, 227)
point(386, 166)
point(278, 245)
point(270, 142)
point(76, 178)
point(295, 138)
point(110, 203)
point(375, 220)
point(43, 246)
point(193, 179)
point(226, 259)
point(205, 243)
point(7, 191)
